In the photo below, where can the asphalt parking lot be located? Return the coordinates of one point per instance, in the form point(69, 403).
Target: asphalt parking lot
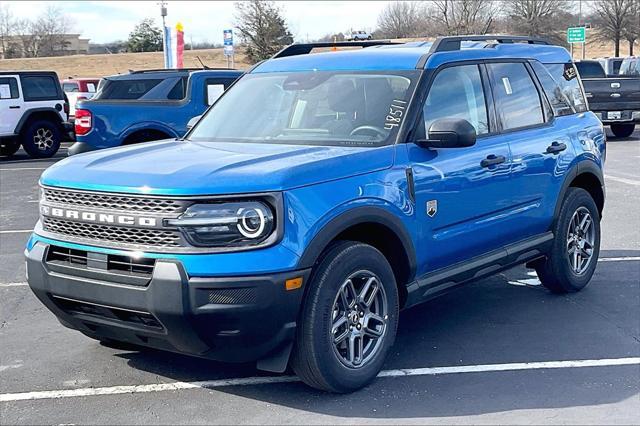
point(503, 350)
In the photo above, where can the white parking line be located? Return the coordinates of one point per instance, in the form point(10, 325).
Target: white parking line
point(623, 180)
point(618, 259)
point(14, 284)
point(17, 231)
point(18, 169)
point(251, 381)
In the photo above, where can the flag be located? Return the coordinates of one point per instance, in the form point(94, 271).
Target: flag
point(174, 46)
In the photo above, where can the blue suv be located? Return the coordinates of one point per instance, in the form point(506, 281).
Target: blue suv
point(320, 195)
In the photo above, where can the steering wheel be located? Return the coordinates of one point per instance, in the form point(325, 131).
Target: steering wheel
point(367, 128)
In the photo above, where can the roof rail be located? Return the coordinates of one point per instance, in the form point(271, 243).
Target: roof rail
point(305, 48)
point(446, 44)
point(180, 69)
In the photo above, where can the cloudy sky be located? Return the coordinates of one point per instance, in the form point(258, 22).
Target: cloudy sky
point(104, 21)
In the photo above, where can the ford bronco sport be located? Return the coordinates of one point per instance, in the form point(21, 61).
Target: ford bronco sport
point(322, 193)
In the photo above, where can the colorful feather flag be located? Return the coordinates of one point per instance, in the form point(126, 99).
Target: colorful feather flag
point(174, 46)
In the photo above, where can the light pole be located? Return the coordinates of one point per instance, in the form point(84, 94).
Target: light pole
point(163, 14)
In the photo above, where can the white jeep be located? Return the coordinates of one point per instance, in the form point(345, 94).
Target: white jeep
point(33, 113)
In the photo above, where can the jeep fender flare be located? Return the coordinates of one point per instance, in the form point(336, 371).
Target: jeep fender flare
point(582, 167)
point(350, 218)
point(147, 125)
point(30, 112)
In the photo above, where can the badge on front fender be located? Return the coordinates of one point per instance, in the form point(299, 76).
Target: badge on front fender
point(432, 208)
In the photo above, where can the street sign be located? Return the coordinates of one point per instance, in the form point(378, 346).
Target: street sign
point(228, 42)
point(576, 35)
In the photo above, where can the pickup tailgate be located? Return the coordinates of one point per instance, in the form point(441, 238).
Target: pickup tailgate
point(613, 94)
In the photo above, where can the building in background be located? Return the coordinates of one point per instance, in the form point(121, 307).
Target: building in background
point(32, 46)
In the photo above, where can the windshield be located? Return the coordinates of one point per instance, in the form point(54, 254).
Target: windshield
point(313, 108)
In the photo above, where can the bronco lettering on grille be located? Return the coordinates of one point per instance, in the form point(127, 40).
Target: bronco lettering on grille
point(97, 217)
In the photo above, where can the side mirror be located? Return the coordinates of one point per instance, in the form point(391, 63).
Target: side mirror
point(193, 122)
point(449, 133)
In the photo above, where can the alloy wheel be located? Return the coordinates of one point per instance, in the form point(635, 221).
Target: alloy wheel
point(359, 319)
point(43, 138)
point(580, 240)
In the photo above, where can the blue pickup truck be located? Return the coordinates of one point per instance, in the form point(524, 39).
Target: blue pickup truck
point(322, 193)
point(146, 105)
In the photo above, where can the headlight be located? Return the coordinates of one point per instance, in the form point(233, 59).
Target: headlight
point(226, 224)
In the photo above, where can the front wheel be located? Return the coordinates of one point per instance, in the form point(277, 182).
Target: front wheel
point(348, 321)
point(574, 255)
point(623, 130)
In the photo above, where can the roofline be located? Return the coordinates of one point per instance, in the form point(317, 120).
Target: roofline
point(306, 48)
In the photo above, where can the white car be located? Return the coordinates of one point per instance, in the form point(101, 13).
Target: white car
point(358, 35)
point(33, 111)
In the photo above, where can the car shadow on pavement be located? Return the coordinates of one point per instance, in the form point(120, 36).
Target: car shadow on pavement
point(488, 322)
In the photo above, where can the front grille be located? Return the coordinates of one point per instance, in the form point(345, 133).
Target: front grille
point(115, 202)
point(114, 234)
point(85, 309)
point(128, 265)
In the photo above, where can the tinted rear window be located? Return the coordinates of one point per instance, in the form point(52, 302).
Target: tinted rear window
point(126, 89)
point(565, 75)
point(40, 88)
point(590, 70)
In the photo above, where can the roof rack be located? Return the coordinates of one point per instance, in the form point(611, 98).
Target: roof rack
point(180, 69)
point(447, 44)
point(305, 48)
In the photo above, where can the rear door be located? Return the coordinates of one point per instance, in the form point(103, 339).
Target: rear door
point(11, 108)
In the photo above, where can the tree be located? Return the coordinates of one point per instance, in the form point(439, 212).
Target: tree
point(7, 28)
point(536, 18)
point(460, 17)
point(262, 27)
point(612, 17)
point(146, 37)
point(631, 31)
point(50, 29)
point(401, 19)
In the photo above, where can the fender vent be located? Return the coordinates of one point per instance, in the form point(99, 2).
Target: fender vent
point(233, 296)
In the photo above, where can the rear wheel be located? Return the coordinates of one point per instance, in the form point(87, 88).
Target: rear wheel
point(623, 130)
point(574, 254)
point(348, 321)
point(41, 139)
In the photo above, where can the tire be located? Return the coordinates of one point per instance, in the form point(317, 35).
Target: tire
point(9, 147)
point(334, 368)
point(623, 130)
point(41, 138)
point(563, 271)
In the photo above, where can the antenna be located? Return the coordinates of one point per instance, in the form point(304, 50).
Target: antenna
point(202, 63)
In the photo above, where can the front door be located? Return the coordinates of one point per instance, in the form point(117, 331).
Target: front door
point(463, 195)
point(10, 105)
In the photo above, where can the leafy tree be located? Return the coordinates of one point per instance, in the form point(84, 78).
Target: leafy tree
point(146, 37)
point(262, 27)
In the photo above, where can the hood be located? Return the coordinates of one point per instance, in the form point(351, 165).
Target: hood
point(208, 168)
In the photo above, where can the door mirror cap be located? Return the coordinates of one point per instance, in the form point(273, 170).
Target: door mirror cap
point(449, 133)
point(193, 122)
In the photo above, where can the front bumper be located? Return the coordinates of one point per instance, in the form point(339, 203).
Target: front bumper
point(235, 319)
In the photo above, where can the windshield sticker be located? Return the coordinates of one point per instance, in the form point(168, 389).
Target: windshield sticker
point(507, 85)
point(396, 114)
point(569, 72)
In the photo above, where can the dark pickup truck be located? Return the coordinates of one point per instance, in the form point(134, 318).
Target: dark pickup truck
point(614, 99)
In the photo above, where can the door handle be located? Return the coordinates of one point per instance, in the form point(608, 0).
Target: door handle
point(14, 106)
point(556, 147)
point(492, 160)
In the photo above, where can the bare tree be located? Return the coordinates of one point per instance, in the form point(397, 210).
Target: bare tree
point(401, 19)
point(612, 17)
point(631, 31)
point(459, 17)
point(536, 18)
point(262, 27)
point(51, 29)
point(7, 27)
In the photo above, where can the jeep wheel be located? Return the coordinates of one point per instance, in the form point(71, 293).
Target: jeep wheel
point(41, 139)
point(348, 321)
point(623, 130)
point(9, 147)
point(574, 254)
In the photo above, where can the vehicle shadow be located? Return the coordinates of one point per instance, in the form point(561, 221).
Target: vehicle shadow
point(488, 322)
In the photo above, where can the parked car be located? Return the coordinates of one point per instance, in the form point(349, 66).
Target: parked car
point(78, 89)
point(630, 66)
point(359, 35)
point(146, 105)
point(321, 194)
point(614, 99)
point(33, 111)
point(611, 66)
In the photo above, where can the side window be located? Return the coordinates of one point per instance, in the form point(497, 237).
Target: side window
point(179, 90)
point(559, 102)
point(567, 77)
point(9, 88)
point(516, 96)
point(214, 87)
point(39, 88)
point(457, 92)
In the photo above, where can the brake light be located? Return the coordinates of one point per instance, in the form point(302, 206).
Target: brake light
point(82, 121)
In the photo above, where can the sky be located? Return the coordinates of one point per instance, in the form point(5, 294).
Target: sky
point(104, 21)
